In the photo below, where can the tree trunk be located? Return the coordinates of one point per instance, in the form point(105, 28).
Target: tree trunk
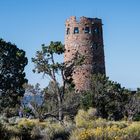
point(59, 98)
point(60, 110)
point(60, 103)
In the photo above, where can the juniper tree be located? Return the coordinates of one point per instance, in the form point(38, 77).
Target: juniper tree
point(47, 64)
point(12, 75)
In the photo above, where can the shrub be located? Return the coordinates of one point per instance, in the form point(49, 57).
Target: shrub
point(99, 133)
point(83, 119)
point(119, 124)
point(136, 117)
point(14, 120)
point(7, 132)
point(36, 133)
point(87, 119)
point(132, 131)
point(33, 129)
point(54, 131)
point(3, 119)
point(27, 123)
point(3, 132)
point(86, 100)
point(90, 128)
point(26, 128)
point(75, 134)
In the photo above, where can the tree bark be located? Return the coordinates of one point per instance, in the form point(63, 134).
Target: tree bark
point(60, 111)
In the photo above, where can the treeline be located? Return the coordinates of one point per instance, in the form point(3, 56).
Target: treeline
point(59, 98)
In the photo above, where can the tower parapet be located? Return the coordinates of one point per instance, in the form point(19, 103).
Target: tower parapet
point(86, 37)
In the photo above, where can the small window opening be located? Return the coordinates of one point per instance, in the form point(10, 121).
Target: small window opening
point(68, 31)
point(95, 63)
point(76, 30)
point(96, 31)
point(96, 47)
point(86, 30)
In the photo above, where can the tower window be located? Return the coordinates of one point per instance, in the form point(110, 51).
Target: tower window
point(68, 31)
point(76, 30)
point(95, 31)
point(94, 63)
point(86, 30)
point(95, 46)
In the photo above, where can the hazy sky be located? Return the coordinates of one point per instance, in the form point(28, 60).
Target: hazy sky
point(30, 23)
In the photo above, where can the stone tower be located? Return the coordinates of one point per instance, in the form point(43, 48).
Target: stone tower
point(85, 36)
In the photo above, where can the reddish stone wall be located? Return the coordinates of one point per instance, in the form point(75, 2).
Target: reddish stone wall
point(85, 36)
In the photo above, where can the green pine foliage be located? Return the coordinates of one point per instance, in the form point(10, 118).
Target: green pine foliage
point(12, 76)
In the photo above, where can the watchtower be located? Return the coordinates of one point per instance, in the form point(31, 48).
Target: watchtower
point(85, 36)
